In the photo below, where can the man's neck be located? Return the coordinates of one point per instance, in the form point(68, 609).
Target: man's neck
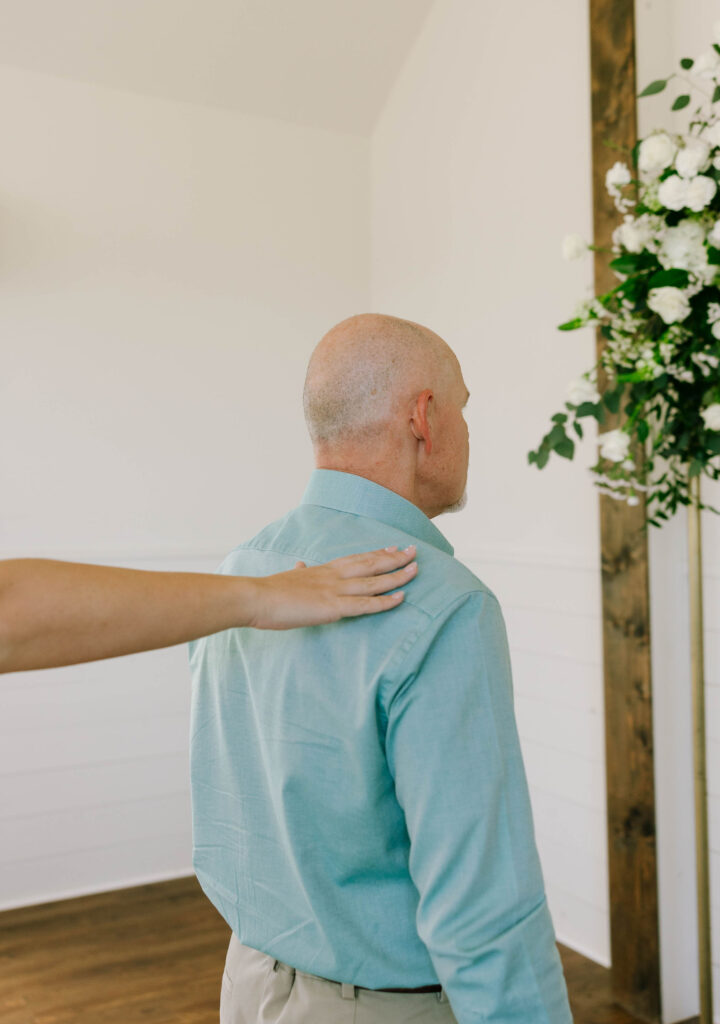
point(390, 476)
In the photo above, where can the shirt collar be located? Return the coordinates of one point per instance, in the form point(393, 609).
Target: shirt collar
point(347, 492)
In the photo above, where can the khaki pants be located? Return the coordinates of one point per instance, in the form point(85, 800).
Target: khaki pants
point(257, 989)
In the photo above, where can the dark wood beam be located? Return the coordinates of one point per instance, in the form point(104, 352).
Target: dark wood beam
point(634, 933)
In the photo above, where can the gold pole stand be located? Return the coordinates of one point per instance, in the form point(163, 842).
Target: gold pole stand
point(698, 692)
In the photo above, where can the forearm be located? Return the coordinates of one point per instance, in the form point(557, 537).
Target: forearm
point(56, 613)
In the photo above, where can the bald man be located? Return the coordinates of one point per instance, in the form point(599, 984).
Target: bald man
point(361, 816)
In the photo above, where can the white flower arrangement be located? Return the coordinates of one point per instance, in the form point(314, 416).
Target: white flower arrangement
point(662, 321)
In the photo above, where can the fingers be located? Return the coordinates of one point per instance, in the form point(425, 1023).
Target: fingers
point(354, 606)
point(372, 563)
point(370, 585)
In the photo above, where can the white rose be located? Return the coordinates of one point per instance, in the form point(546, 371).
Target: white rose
point(614, 445)
point(573, 246)
point(633, 500)
point(582, 390)
point(618, 175)
point(711, 134)
point(714, 235)
point(706, 65)
point(693, 157)
point(633, 234)
point(656, 153)
point(670, 303)
point(716, 162)
point(711, 416)
point(683, 247)
point(672, 192)
point(700, 192)
point(715, 329)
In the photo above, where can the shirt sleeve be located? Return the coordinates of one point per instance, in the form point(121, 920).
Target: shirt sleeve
point(454, 753)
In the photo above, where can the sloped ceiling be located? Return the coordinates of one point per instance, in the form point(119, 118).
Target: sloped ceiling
point(324, 63)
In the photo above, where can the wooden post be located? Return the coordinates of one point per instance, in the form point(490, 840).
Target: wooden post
point(634, 934)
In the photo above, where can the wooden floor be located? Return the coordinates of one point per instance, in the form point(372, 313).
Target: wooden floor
point(154, 955)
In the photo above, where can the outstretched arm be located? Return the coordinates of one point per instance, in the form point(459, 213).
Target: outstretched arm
point(56, 613)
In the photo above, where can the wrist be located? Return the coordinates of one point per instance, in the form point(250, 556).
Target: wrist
point(250, 600)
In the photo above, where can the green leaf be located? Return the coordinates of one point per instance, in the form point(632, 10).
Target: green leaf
point(687, 63)
point(680, 102)
point(625, 264)
point(714, 443)
point(633, 377)
point(674, 278)
point(566, 448)
point(559, 417)
point(532, 457)
point(716, 48)
point(572, 325)
point(716, 94)
point(543, 456)
point(586, 409)
point(556, 435)
point(591, 409)
point(695, 468)
point(579, 430)
point(612, 399)
point(634, 152)
point(643, 429)
point(657, 86)
point(713, 253)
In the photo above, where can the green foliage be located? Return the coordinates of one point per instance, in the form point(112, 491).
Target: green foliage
point(591, 409)
point(572, 325)
point(612, 398)
point(625, 264)
point(656, 404)
point(657, 86)
point(674, 278)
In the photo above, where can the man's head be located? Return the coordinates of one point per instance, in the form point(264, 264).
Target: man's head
point(383, 399)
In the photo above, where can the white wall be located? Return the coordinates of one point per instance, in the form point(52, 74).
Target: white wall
point(480, 164)
point(165, 270)
point(668, 30)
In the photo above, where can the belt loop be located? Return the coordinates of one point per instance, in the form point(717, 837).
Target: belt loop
point(442, 996)
point(347, 991)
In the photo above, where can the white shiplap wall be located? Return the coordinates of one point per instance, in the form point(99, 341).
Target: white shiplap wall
point(166, 270)
point(94, 771)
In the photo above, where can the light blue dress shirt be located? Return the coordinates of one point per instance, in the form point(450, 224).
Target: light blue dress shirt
point(359, 801)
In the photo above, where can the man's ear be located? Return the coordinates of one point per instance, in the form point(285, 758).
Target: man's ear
point(420, 419)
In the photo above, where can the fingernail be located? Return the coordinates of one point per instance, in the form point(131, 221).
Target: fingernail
point(409, 568)
point(407, 550)
point(399, 594)
point(393, 548)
